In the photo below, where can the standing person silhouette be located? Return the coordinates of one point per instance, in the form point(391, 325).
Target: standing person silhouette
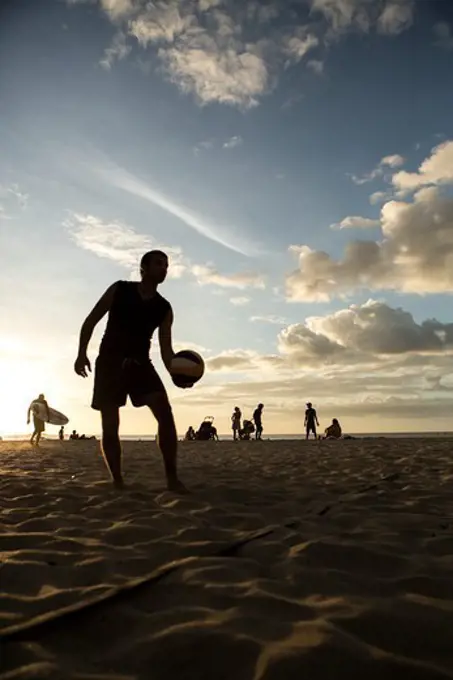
point(311, 420)
point(236, 422)
point(38, 423)
point(257, 417)
point(123, 367)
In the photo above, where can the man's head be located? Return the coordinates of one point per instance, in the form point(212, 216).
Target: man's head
point(309, 404)
point(154, 266)
point(41, 397)
point(260, 406)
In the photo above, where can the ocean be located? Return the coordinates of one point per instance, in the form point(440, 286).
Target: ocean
point(270, 436)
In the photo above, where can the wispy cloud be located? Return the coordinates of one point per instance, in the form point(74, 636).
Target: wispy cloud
point(234, 141)
point(240, 301)
point(444, 35)
point(11, 197)
point(120, 178)
point(269, 318)
point(393, 161)
point(118, 242)
point(206, 274)
point(118, 50)
point(356, 222)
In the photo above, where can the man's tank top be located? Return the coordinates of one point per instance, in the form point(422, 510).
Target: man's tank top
point(132, 322)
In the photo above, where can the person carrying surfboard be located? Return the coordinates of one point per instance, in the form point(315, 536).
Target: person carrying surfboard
point(135, 310)
point(38, 423)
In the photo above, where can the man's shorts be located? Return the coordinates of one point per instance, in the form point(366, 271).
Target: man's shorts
point(116, 378)
point(38, 424)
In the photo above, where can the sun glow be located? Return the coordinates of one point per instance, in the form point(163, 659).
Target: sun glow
point(22, 378)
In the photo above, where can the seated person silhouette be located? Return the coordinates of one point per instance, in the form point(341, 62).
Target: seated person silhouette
point(333, 431)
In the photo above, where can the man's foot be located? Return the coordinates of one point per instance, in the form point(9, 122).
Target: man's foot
point(119, 484)
point(177, 487)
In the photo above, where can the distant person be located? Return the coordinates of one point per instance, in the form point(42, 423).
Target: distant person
point(38, 423)
point(190, 434)
point(73, 435)
point(334, 430)
point(123, 368)
point(257, 419)
point(311, 420)
point(61, 433)
point(236, 422)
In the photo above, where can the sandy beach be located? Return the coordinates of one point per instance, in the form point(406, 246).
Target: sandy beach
point(289, 560)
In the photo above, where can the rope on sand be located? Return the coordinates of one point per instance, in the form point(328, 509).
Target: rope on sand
point(44, 622)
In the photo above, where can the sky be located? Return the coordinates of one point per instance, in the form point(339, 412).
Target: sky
point(295, 161)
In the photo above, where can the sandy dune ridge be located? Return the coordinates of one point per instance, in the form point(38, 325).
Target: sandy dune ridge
point(289, 558)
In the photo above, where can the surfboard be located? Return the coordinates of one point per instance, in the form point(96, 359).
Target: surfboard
point(55, 417)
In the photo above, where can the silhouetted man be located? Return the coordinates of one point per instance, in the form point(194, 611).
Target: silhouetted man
point(257, 417)
point(38, 423)
point(123, 367)
point(311, 420)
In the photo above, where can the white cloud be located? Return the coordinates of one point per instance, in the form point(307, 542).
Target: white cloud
point(437, 169)
point(396, 17)
point(124, 180)
point(316, 65)
point(118, 242)
point(208, 275)
point(240, 301)
point(116, 51)
point(378, 197)
point(390, 18)
point(444, 35)
point(414, 255)
point(234, 141)
point(11, 197)
point(392, 161)
point(269, 318)
point(236, 360)
point(356, 222)
point(373, 328)
point(210, 48)
point(298, 44)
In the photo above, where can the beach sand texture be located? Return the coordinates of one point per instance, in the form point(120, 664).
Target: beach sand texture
point(319, 560)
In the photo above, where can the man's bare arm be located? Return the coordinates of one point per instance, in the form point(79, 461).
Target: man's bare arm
point(165, 340)
point(100, 309)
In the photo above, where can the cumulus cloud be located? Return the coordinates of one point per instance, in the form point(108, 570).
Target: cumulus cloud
point(208, 275)
point(212, 50)
point(414, 254)
point(372, 328)
point(437, 169)
point(444, 35)
point(356, 222)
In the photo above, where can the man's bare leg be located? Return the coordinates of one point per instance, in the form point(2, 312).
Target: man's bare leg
point(167, 438)
point(111, 445)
